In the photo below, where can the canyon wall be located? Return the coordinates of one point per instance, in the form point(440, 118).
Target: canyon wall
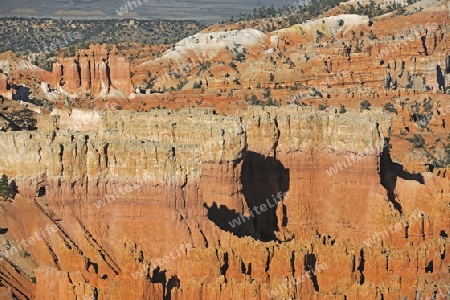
point(268, 202)
point(144, 206)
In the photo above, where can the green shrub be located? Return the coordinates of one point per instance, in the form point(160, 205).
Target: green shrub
point(427, 105)
point(319, 35)
point(417, 140)
point(315, 93)
point(447, 153)
point(270, 102)
point(197, 85)
point(389, 107)
point(240, 57)
point(254, 100)
point(5, 189)
point(366, 105)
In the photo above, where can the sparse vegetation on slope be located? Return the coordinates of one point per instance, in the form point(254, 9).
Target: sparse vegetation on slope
point(23, 36)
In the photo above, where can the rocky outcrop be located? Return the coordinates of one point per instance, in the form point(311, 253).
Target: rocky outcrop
point(96, 71)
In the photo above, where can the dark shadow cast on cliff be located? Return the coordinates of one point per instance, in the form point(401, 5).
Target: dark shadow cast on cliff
point(173, 282)
point(264, 182)
point(160, 276)
point(310, 262)
point(230, 220)
point(440, 78)
point(389, 171)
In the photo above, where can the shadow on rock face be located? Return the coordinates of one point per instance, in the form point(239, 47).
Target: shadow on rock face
point(389, 172)
point(264, 183)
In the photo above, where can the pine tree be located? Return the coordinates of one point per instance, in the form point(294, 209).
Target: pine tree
point(5, 189)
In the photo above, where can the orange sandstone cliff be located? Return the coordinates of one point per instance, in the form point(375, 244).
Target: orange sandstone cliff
point(144, 207)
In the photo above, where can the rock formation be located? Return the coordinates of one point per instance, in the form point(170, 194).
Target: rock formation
point(94, 71)
point(112, 187)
